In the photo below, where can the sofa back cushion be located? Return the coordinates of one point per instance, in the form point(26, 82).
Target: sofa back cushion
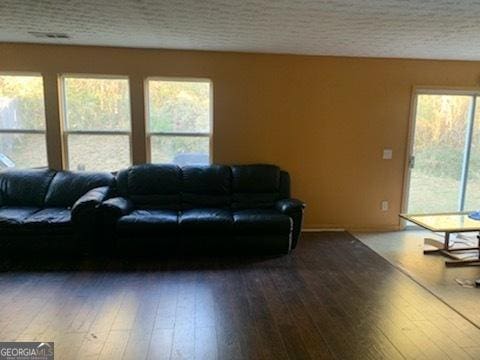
point(284, 185)
point(68, 186)
point(24, 187)
point(151, 186)
point(206, 186)
point(255, 186)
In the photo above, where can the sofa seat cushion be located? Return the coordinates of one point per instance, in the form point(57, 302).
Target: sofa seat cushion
point(261, 221)
point(15, 215)
point(213, 221)
point(49, 218)
point(147, 221)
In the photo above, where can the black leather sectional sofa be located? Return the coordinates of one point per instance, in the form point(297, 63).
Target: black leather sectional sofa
point(50, 210)
point(151, 208)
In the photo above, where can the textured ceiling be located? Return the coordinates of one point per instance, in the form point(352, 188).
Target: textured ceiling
point(435, 29)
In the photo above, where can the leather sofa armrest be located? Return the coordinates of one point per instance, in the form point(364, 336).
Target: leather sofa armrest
point(85, 218)
point(86, 206)
point(294, 209)
point(287, 206)
point(116, 207)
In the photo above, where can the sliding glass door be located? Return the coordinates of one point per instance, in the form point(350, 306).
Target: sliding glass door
point(445, 159)
point(472, 193)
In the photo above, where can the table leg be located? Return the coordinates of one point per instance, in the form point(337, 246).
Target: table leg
point(437, 245)
point(445, 249)
point(468, 261)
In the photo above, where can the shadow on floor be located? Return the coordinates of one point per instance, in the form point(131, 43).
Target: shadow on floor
point(131, 263)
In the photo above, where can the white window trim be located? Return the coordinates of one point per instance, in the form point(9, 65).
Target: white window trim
point(150, 134)
point(64, 121)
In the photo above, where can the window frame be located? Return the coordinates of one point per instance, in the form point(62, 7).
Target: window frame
point(149, 134)
point(64, 120)
point(30, 131)
point(416, 91)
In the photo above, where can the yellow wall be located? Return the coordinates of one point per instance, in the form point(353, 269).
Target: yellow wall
point(324, 119)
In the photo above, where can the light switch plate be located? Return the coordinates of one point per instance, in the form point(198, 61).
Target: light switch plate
point(387, 154)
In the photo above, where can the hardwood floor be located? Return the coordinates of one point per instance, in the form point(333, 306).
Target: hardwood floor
point(333, 298)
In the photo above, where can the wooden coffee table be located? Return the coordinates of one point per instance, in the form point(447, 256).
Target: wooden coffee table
point(449, 223)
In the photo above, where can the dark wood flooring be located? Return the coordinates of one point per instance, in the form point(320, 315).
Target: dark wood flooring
point(332, 298)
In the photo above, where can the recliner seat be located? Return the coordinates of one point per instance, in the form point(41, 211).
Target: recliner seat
point(225, 207)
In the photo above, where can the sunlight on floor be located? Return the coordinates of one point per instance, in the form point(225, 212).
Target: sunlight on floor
point(404, 249)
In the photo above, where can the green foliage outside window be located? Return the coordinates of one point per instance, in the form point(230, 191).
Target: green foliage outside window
point(103, 104)
point(25, 93)
point(97, 104)
point(176, 106)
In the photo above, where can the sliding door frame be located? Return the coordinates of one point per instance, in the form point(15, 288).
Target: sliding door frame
point(474, 92)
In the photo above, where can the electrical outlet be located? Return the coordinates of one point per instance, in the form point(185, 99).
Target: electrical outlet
point(384, 205)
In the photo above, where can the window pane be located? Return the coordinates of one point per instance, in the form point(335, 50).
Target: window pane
point(439, 144)
point(23, 150)
point(179, 106)
point(21, 103)
point(180, 150)
point(97, 104)
point(98, 152)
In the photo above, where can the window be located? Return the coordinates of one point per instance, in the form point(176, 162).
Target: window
point(97, 123)
point(22, 122)
point(179, 121)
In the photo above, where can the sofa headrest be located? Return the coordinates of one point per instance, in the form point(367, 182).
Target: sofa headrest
point(206, 186)
point(208, 179)
point(151, 185)
point(256, 178)
point(24, 187)
point(172, 187)
point(150, 179)
point(68, 186)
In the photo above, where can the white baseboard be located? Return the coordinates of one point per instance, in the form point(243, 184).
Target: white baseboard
point(371, 228)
